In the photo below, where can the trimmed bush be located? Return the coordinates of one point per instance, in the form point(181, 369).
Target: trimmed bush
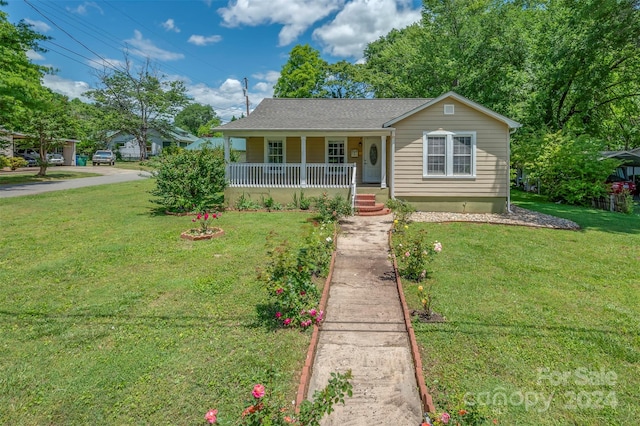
point(188, 181)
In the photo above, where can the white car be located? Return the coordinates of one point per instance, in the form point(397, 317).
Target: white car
point(103, 157)
point(55, 159)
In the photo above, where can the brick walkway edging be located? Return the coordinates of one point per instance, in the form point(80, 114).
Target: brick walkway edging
point(425, 396)
point(305, 377)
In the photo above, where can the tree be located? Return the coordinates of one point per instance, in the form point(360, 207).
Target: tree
point(48, 126)
point(303, 75)
point(137, 100)
point(585, 63)
point(19, 78)
point(194, 116)
point(346, 80)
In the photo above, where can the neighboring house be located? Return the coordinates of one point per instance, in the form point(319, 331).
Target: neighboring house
point(630, 162)
point(442, 154)
point(129, 149)
point(238, 145)
point(13, 141)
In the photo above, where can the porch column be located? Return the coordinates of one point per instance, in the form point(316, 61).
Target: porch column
point(383, 162)
point(303, 167)
point(227, 157)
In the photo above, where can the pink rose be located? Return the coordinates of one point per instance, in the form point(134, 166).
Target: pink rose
point(407, 254)
point(258, 391)
point(287, 321)
point(279, 291)
point(199, 216)
point(211, 416)
point(313, 312)
point(278, 314)
point(206, 216)
point(445, 418)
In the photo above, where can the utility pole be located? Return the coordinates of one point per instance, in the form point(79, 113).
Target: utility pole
point(246, 93)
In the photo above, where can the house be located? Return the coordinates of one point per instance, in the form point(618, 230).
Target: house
point(127, 145)
point(630, 162)
point(443, 154)
point(238, 145)
point(12, 141)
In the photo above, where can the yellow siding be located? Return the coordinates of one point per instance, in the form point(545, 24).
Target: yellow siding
point(492, 138)
point(294, 150)
point(315, 150)
point(255, 150)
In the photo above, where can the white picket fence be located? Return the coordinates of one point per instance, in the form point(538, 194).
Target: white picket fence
point(290, 175)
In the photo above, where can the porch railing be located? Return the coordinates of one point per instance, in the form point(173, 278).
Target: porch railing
point(290, 175)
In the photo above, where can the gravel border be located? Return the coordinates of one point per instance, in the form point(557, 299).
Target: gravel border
point(518, 216)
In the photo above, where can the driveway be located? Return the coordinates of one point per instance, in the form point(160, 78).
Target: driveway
point(109, 175)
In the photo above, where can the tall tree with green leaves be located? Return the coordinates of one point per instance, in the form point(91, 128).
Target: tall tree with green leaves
point(194, 116)
point(48, 126)
point(303, 75)
point(20, 79)
point(346, 80)
point(138, 100)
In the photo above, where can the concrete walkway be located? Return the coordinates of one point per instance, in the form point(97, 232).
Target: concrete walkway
point(364, 331)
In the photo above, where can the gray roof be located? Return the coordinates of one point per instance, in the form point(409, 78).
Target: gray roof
point(324, 114)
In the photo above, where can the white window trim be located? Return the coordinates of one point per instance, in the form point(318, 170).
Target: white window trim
point(448, 154)
point(449, 109)
point(342, 139)
point(275, 167)
point(275, 139)
point(335, 139)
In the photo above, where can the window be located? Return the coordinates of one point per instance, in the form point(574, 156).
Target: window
point(449, 109)
point(449, 154)
point(274, 152)
point(336, 153)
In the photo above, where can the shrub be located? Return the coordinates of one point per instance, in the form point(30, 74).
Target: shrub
point(414, 253)
point(626, 206)
point(265, 409)
point(570, 168)
point(288, 278)
point(190, 180)
point(244, 202)
point(270, 204)
point(4, 162)
point(17, 162)
point(401, 210)
point(330, 210)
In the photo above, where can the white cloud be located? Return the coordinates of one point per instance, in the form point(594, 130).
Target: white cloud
point(228, 99)
point(39, 26)
point(170, 25)
point(34, 56)
point(83, 9)
point(200, 40)
point(100, 64)
point(147, 49)
point(70, 88)
point(295, 15)
point(363, 21)
point(269, 76)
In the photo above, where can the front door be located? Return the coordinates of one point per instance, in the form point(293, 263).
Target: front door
point(371, 159)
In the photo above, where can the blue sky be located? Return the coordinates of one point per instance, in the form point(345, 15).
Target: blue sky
point(212, 45)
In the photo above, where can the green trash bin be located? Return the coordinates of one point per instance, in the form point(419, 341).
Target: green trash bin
point(81, 160)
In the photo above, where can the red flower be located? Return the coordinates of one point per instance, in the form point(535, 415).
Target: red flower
point(211, 416)
point(258, 391)
point(278, 314)
point(462, 412)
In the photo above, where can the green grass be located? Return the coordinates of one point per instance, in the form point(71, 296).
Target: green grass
point(520, 299)
point(108, 317)
point(31, 176)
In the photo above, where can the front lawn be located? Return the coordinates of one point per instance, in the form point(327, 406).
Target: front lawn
point(22, 176)
point(543, 326)
point(108, 317)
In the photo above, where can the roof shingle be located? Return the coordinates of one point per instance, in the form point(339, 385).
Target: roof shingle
point(324, 114)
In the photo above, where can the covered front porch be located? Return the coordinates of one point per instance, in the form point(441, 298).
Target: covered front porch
point(310, 161)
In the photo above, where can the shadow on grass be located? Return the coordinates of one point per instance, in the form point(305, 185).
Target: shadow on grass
point(587, 218)
point(266, 317)
point(607, 340)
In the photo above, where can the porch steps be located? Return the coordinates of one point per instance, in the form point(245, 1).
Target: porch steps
point(366, 206)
